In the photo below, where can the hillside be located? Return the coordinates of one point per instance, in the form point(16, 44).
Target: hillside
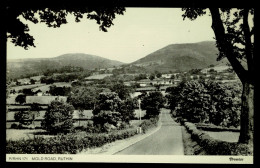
point(18, 67)
point(181, 57)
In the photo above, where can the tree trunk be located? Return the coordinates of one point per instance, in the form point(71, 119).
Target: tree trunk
point(247, 114)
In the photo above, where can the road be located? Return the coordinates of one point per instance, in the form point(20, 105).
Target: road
point(166, 141)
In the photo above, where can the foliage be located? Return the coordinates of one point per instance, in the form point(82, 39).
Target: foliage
point(206, 102)
point(27, 92)
point(66, 144)
point(234, 33)
point(59, 91)
point(83, 98)
point(107, 120)
point(147, 124)
point(32, 81)
point(158, 74)
point(58, 117)
point(152, 102)
point(35, 111)
point(110, 109)
point(21, 98)
point(126, 109)
point(152, 76)
point(108, 101)
point(140, 77)
point(54, 16)
point(23, 117)
point(216, 147)
point(122, 90)
point(47, 80)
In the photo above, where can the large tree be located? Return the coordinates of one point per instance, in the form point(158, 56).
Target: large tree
point(234, 32)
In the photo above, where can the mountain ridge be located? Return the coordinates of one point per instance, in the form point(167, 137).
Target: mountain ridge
point(173, 57)
point(181, 57)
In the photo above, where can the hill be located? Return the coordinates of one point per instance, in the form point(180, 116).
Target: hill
point(181, 57)
point(18, 67)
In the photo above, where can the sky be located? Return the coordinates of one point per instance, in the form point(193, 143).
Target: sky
point(137, 33)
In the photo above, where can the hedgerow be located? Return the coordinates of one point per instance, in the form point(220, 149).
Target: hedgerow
point(216, 147)
point(65, 144)
point(147, 124)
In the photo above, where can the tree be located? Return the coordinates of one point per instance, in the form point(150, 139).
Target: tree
point(158, 74)
point(235, 40)
point(122, 90)
point(54, 16)
point(105, 112)
point(28, 92)
point(35, 111)
point(20, 98)
point(32, 81)
point(58, 117)
point(23, 117)
point(152, 102)
point(151, 77)
point(83, 98)
point(206, 102)
point(126, 109)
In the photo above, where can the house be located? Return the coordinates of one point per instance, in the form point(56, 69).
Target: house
point(167, 76)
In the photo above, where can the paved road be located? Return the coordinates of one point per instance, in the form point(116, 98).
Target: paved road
point(166, 141)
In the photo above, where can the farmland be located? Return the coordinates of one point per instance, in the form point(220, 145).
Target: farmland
point(17, 88)
point(45, 88)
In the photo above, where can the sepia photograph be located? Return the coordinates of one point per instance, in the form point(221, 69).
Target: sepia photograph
point(129, 84)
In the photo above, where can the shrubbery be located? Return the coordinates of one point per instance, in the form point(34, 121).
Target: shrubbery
point(216, 147)
point(147, 124)
point(66, 144)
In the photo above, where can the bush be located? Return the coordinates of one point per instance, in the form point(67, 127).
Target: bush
point(23, 117)
point(147, 124)
point(216, 147)
point(14, 126)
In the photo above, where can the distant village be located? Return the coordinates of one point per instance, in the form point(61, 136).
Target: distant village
point(37, 91)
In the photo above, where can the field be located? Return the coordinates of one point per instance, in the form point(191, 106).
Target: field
point(15, 134)
point(45, 88)
point(98, 77)
point(227, 136)
point(17, 88)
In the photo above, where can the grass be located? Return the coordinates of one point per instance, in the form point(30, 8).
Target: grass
point(15, 134)
point(98, 77)
point(45, 88)
point(224, 135)
point(16, 88)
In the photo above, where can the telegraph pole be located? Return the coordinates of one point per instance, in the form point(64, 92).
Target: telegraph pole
point(140, 120)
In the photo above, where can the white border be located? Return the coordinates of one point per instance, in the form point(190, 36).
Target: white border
point(129, 158)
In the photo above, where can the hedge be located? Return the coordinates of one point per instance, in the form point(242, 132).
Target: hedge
point(66, 144)
point(147, 124)
point(72, 143)
point(216, 147)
